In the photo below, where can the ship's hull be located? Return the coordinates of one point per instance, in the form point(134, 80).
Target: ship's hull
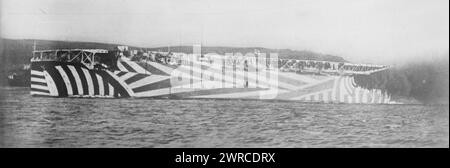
point(156, 80)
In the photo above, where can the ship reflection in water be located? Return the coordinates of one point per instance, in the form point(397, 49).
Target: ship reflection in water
point(73, 122)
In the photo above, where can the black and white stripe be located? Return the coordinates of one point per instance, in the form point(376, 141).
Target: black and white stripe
point(85, 82)
point(39, 84)
point(126, 65)
point(143, 84)
point(76, 81)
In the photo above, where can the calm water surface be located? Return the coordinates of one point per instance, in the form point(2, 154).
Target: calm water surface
point(73, 122)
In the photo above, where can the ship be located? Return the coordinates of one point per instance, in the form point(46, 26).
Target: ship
point(127, 73)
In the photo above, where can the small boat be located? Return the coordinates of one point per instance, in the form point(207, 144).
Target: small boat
point(20, 77)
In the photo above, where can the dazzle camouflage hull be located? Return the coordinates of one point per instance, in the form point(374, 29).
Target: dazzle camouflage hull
point(152, 79)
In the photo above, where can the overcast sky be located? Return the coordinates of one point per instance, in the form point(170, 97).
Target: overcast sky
point(368, 31)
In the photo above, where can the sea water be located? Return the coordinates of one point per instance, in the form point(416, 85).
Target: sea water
point(28, 121)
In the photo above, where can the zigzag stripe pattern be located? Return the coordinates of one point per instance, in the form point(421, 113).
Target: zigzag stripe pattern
point(143, 84)
point(134, 80)
point(344, 90)
point(126, 65)
point(75, 81)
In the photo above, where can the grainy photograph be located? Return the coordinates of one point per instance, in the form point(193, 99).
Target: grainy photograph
point(224, 74)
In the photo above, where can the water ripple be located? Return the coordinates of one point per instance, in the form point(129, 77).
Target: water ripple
point(72, 122)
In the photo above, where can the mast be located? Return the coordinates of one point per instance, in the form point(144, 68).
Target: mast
point(34, 47)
